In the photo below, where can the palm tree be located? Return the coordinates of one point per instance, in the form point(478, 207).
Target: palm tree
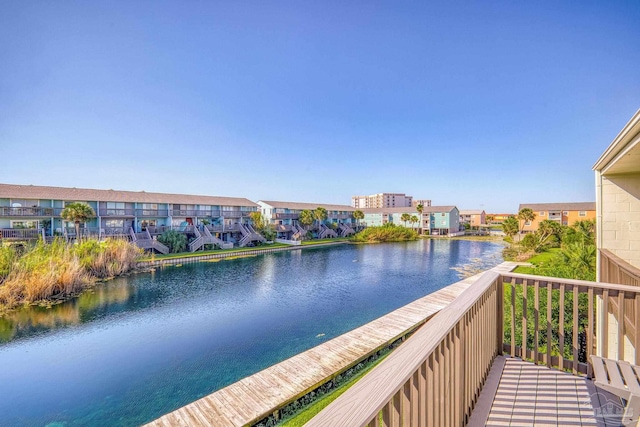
point(77, 212)
point(525, 215)
point(405, 217)
point(420, 209)
point(510, 226)
point(413, 220)
point(358, 215)
point(257, 220)
point(320, 214)
point(306, 218)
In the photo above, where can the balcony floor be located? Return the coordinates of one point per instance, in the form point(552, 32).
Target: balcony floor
point(519, 393)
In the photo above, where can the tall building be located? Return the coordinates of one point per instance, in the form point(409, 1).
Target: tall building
point(382, 200)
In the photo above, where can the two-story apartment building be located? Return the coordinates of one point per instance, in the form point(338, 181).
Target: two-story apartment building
point(30, 207)
point(475, 218)
point(285, 218)
point(563, 213)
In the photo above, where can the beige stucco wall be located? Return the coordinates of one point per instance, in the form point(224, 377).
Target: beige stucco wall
point(620, 221)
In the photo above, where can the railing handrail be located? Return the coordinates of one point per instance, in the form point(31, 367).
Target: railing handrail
point(574, 282)
point(622, 264)
point(390, 376)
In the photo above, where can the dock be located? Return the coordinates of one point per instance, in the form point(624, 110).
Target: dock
point(262, 394)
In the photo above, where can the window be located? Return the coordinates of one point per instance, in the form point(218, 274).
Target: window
point(542, 213)
point(444, 222)
point(24, 203)
point(442, 214)
point(565, 213)
point(153, 206)
point(25, 224)
point(582, 213)
point(114, 223)
point(527, 223)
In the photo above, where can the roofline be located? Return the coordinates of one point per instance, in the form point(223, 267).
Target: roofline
point(619, 142)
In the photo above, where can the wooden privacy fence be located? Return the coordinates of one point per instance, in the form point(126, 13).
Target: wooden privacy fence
point(435, 378)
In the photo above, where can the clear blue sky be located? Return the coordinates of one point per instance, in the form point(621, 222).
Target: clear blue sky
point(473, 103)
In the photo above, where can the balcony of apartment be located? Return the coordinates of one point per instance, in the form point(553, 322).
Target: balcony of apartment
point(195, 213)
point(279, 215)
point(156, 213)
point(486, 360)
point(116, 212)
point(29, 211)
point(340, 216)
point(21, 233)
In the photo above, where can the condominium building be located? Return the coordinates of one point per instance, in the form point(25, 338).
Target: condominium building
point(434, 220)
point(563, 213)
point(285, 218)
point(382, 200)
point(475, 218)
point(24, 209)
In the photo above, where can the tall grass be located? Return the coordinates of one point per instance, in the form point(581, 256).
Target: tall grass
point(56, 271)
point(386, 233)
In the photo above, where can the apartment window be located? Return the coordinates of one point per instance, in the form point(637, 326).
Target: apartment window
point(565, 213)
point(444, 222)
point(442, 214)
point(527, 223)
point(114, 223)
point(153, 206)
point(25, 224)
point(582, 213)
point(542, 213)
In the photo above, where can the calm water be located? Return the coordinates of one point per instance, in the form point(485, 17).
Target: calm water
point(141, 346)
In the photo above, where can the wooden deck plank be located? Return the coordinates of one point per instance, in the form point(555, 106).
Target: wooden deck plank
point(259, 395)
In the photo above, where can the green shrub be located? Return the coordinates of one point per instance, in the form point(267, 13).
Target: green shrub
point(175, 241)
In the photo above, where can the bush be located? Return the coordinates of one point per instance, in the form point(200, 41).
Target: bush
point(386, 233)
point(175, 241)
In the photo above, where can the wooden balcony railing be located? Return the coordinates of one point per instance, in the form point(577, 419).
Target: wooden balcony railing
point(152, 212)
point(286, 215)
point(30, 211)
point(615, 270)
point(21, 233)
point(116, 212)
point(435, 378)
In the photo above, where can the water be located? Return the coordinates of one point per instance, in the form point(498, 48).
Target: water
point(141, 346)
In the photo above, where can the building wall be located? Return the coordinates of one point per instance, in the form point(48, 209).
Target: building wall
point(569, 218)
point(620, 222)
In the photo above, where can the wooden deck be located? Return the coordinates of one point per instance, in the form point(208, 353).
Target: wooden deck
point(260, 395)
point(520, 393)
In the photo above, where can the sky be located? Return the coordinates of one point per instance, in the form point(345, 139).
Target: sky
point(478, 104)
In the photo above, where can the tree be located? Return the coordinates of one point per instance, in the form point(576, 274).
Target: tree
point(405, 217)
point(257, 220)
point(488, 219)
point(414, 220)
point(306, 218)
point(320, 214)
point(78, 213)
point(510, 226)
point(525, 214)
point(358, 215)
point(420, 208)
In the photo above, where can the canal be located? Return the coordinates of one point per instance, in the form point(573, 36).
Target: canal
point(140, 346)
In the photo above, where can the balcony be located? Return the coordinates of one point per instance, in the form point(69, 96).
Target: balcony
point(152, 212)
point(126, 212)
point(195, 213)
point(286, 215)
point(21, 233)
point(452, 371)
point(30, 212)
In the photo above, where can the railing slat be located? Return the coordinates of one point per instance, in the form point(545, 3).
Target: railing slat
point(513, 318)
point(590, 334)
point(621, 333)
point(549, 322)
point(525, 309)
point(605, 324)
point(637, 329)
point(536, 320)
point(561, 309)
point(575, 330)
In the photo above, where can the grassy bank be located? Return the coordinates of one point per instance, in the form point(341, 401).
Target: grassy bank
point(53, 272)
